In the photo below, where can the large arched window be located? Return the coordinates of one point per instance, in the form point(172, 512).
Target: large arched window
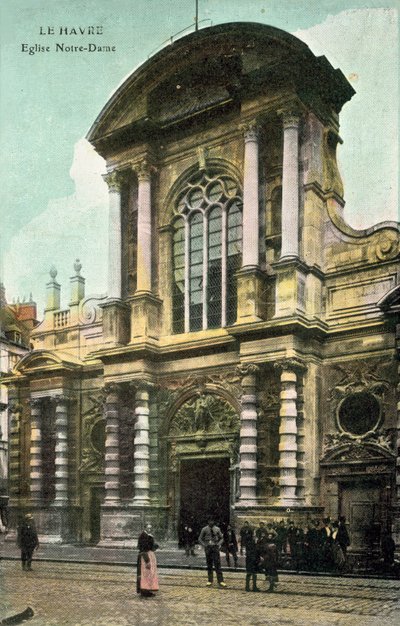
point(207, 252)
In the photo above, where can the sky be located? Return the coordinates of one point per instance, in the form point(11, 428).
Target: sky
point(53, 199)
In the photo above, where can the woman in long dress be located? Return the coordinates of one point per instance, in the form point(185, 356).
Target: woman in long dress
point(147, 578)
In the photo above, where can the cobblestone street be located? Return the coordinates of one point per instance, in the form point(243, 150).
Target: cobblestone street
point(85, 594)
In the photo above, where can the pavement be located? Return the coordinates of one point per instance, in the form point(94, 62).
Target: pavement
point(168, 556)
point(87, 594)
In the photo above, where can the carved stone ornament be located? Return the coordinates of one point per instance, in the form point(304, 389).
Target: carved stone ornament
point(292, 365)
point(114, 180)
point(205, 413)
point(144, 169)
point(247, 369)
point(359, 376)
point(89, 311)
point(359, 448)
point(251, 131)
point(388, 246)
point(92, 459)
point(170, 389)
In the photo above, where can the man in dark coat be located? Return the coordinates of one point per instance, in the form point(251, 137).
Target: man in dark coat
point(27, 540)
point(252, 564)
point(246, 535)
point(269, 554)
point(342, 536)
point(230, 545)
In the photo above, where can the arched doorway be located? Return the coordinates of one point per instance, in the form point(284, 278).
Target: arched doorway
point(203, 461)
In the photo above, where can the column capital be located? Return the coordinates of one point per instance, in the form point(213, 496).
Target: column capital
point(292, 365)
point(251, 130)
point(110, 389)
point(290, 115)
point(247, 369)
point(34, 403)
point(61, 398)
point(114, 180)
point(144, 169)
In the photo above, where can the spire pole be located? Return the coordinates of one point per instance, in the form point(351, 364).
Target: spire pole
point(196, 23)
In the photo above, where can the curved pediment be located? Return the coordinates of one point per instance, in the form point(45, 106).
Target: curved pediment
point(391, 301)
point(358, 452)
point(46, 360)
point(213, 67)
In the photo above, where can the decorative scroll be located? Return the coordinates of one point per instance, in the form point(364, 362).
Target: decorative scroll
point(89, 310)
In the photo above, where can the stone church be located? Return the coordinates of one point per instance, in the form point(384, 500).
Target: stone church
point(244, 361)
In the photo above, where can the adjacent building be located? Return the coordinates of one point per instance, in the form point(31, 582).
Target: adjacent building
point(244, 360)
point(16, 322)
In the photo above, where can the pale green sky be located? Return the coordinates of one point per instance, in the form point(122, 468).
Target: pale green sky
point(52, 213)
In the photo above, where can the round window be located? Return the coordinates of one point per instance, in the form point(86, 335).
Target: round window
point(98, 436)
point(359, 413)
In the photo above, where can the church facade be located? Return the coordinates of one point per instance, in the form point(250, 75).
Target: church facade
point(244, 361)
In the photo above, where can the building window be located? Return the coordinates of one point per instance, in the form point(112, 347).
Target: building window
point(207, 252)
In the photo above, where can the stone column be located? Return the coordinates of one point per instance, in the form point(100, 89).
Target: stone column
point(288, 434)
point(250, 279)
point(112, 457)
point(145, 306)
point(250, 198)
point(61, 456)
point(248, 435)
point(144, 234)
point(290, 184)
point(14, 455)
point(115, 312)
point(36, 471)
point(114, 182)
point(142, 446)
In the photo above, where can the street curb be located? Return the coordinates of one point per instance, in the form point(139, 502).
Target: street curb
point(203, 568)
point(19, 617)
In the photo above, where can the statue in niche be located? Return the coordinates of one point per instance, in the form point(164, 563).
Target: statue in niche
point(205, 413)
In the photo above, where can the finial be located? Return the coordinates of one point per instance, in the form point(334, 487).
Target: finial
point(30, 297)
point(77, 267)
point(53, 272)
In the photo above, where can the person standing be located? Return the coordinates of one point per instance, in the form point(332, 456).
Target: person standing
point(246, 534)
point(211, 539)
point(147, 577)
point(230, 545)
point(27, 541)
point(269, 554)
point(189, 540)
point(342, 536)
point(252, 564)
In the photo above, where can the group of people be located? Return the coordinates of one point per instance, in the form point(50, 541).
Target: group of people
point(321, 546)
